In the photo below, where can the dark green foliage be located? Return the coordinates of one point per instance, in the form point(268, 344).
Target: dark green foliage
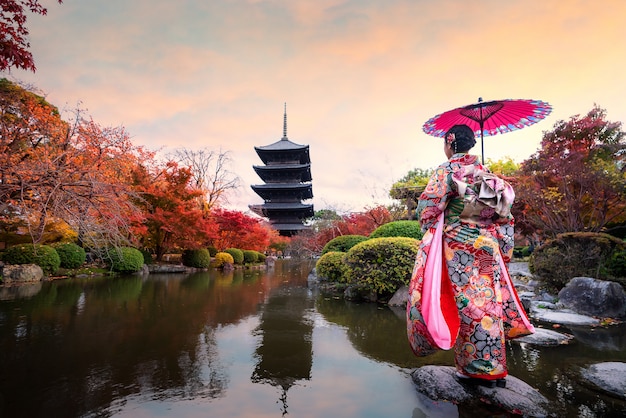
point(261, 257)
point(409, 229)
point(617, 264)
point(521, 252)
point(212, 250)
point(44, 256)
point(125, 259)
point(250, 256)
point(575, 254)
point(71, 255)
point(147, 256)
point(200, 258)
point(343, 243)
point(236, 253)
point(331, 266)
point(382, 265)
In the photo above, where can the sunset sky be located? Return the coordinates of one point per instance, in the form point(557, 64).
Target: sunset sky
point(360, 77)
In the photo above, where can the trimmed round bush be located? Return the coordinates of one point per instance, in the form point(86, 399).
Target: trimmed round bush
point(222, 258)
point(250, 256)
point(575, 254)
point(236, 253)
point(44, 256)
point(199, 258)
point(71, 255)
point(331, 266)
point(409, 229)
point(261, 257)
point(382, 265)
point(125, 259)
point(343, 243)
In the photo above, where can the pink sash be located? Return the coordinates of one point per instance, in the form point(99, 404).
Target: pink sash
point(438, 306)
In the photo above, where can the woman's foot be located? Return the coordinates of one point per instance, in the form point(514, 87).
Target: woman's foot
point(461, 378)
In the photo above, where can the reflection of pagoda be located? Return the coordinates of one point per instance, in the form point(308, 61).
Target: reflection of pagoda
point(285, 352)
point(287, 177)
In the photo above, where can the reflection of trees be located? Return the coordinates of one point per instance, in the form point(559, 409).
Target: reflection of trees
point(78, 345)
point(285, 353)
point(377, 332)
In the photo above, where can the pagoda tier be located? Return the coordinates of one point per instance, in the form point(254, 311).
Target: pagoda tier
point(284, 172)
point(283, 152)
point(287, 176)
point(294, 211)
point(284, 191)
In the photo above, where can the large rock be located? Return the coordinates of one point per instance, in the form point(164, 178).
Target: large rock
point(438, 384)
point(594, 297)
point(549, 312)
point(546, 338)
point(167, 268)
point(609, 377)
point(400, 298)
point(21, 273)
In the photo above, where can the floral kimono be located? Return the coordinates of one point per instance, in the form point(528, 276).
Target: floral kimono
point(460, 293)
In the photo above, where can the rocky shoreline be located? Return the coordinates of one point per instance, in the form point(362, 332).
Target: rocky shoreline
point(584, 304)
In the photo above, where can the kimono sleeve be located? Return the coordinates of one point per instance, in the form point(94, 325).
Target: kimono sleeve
point(435, 197)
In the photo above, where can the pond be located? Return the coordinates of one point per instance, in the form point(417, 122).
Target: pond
point(249, 343)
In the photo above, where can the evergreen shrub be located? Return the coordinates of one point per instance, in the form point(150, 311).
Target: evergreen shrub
point(250, 256)
point(71, 255)
point(125, 259)
point(44, 256)
point(212, 250)
point(575, 254)
point(331, 266)
point(236, 253)
point(199, 258)
point(382, 265)
point(409, 229)
point(222, 258)
point(261, 257)
point(343, 243)
point(617, 264)
point(147, 256)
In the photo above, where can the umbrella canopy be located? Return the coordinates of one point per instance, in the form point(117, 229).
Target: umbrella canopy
point(490, 118)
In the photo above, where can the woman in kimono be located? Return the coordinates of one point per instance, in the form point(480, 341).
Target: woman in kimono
point(477, 302)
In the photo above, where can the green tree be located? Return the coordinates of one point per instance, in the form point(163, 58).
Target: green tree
point(409, 188)
point(505, 167)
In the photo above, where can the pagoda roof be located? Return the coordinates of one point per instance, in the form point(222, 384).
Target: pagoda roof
point(277, 190)
point(284, 147)
point(277, 210)
point(276, 171)
point(284, 144)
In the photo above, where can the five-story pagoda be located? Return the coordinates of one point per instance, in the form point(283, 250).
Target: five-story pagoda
point(287, 177)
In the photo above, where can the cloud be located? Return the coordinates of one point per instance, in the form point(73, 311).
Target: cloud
point(359, 77)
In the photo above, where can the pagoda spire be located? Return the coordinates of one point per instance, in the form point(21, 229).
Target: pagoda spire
point(285, 124)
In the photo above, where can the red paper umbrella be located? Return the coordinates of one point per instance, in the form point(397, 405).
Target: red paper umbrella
point(490, 118)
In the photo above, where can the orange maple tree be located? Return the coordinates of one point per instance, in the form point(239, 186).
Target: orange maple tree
point(74, 171)
point(172, 218)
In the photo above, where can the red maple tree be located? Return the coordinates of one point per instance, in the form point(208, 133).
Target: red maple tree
point(14, 42)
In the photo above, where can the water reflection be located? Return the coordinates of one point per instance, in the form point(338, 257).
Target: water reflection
point(246, 343)
point(285, 353)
